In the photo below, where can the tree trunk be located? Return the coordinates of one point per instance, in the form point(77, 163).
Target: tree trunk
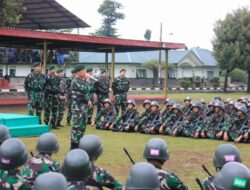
point(225, 82)
point(248, 81)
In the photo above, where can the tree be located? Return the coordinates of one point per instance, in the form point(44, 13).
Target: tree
point(109, 10)
point(147, 35)
point(231, 45)
point(10, 12)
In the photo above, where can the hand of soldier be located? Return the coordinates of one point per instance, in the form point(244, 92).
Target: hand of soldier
point(203, 134)
point(107, 125)
point(89, 104)
point(161, 129)
point(136, 128)
point(218, 135)
point(126, 128)
point(226, 137)
point(151, 129)
point(62, 97)
point(95, 98)
point(93, 123)
point(238, 139)
point(175, 132)
point(111, 126)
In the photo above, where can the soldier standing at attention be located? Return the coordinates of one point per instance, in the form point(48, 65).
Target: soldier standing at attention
point(90, 84)
point(69, 98)
point(156, 153)
point(99, 177)
point(34, 86)
point(80, 99)
point(120, 88)
point(102, 90)
point(51, 97)
point(62, 96)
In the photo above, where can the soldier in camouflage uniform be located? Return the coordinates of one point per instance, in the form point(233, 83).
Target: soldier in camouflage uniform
point(224, 153)
point(190, 127)
point(13, 155)
point(42, 163)
point(100, 177)
point(34, 86)
point(167, 111)
point(156, 153)
point(120, 88)
point(146, 106)
point(152, 123)
point(238, 124)
point(102, 90)
point(215, 124)
point(168, 125)
point(76, 168)
point(4, 133)
point(90, 83)
point(126, 122)
point(80, 100)
point(187, 105)
point(105, 118)
point(210, 109)
point(51, 98)
point(62, 96)
point(69, 96)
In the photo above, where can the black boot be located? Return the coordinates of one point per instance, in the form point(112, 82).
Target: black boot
point(68, 122)
point(73, 146)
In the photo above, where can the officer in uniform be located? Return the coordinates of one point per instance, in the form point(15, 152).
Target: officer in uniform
point(126, 122)
point(90, 84)
point(51, 180)
point(99, 177)
point(233, 176)
point(120, 88)
point(80, 99)
point(42, 163)
point(51, 98)
point(76, 168)
point(142, 176)
point(62, 96)
point(4, 133)
point(13, 155)
point(224, 153)
point(156, 153)
point(105, 118)
point(102, 90)
point(69, 96)
point(34, 86)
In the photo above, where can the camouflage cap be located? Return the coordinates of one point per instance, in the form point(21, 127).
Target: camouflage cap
point(51, 67)
point(79, 68)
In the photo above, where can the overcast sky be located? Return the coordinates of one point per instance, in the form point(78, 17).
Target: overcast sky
point(190, 21)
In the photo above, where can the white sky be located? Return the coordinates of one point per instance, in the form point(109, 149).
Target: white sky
point(190, 21)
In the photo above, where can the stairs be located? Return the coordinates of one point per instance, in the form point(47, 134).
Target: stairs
point(23, 125)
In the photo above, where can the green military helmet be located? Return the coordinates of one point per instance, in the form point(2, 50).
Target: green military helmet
point(177, 106)
point(220, 105)
point(233, 176)
point(197, 104)
point(226, 153)
point(142, 176)
point(76, 165)
point(244, 102)
point(156, 149)
point(4, 133)
point(146, 102)
point(231, 102)
point(107, 100)
point(242, 108)
point(188, 99)
point(170, 103)
point(227, 100)
point(50, 181)
point(131, 102)
point(203, 101)
point(47, 143)
point(13, 154)
point(167, 100)
point(211, 103)
point(217, 98)
point(154, 103)
point(92, 145)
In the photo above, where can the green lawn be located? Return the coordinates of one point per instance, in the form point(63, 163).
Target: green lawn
point(186, 155)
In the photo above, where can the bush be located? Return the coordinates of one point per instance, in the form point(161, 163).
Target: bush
point(185, 83)
point(238, 75)
point(197, 82)
point(215, 82)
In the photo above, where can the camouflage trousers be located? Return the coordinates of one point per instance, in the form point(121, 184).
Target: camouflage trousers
point(69, 114)
point(79, 116)
point(60, 111)
point(100, 101)
point(50, 109)
point(90, 111)
point(120, 101)
point(35, 104)
point(233, 135)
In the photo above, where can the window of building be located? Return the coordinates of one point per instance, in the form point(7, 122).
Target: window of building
point(141, 73)
point(12, 72)
point(1, 72)
point(210, 74)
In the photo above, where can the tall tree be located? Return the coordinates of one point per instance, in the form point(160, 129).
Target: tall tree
point(147, 34)
point(10, 12)
point(109, 10)
point(231, 44)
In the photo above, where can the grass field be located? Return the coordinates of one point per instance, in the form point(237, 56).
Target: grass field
point(186, 155)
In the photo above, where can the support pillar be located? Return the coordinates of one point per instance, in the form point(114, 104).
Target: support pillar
point(44, 56)
point(166, 74)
